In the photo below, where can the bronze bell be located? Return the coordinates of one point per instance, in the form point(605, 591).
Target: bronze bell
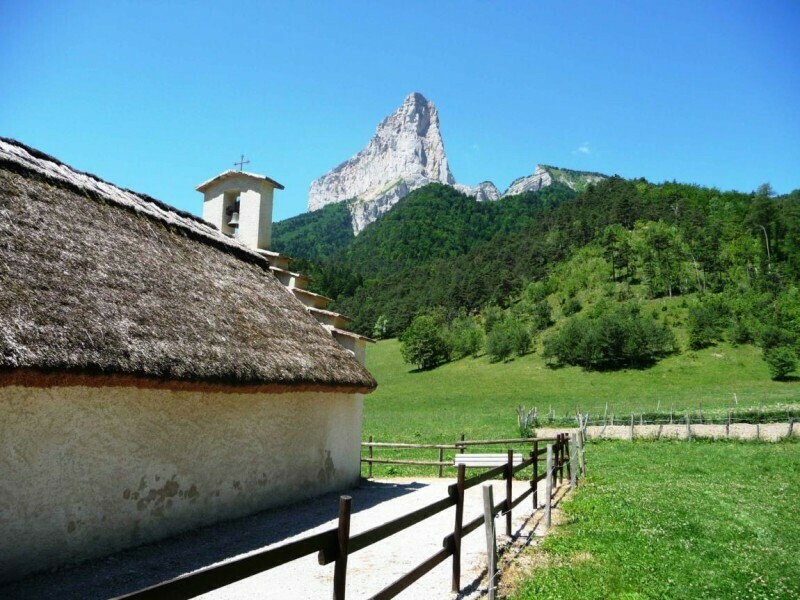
point(233, 211)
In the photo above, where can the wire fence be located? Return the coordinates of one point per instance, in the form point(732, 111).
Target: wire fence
point(699, 416)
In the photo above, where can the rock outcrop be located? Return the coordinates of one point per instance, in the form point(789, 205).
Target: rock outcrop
point(405, 153)
point(531, 183)
point(482, 192)
point(544, 176)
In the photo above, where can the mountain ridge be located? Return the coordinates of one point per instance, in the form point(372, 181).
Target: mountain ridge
point(406, 153)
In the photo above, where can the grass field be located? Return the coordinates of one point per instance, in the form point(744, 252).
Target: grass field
point(674, 520)
point(479, 399)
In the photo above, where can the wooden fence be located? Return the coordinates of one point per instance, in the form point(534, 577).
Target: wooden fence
point(442, 462)
point(337, 544)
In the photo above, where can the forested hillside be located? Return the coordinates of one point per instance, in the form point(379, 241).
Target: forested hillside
point(395, 264)
point(590, 263)
point(317, 235)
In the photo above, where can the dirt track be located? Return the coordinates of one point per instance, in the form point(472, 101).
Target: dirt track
point(369, 571)
point(771, 432)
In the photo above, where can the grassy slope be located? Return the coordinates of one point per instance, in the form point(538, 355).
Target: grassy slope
point(479, 398)
point(677, 520)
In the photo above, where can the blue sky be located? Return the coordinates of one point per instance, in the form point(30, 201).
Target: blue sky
point(160, 96)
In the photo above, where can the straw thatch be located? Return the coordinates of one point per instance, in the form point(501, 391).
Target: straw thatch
point(100, 285)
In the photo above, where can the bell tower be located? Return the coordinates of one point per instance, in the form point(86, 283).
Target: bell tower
point(239, 204)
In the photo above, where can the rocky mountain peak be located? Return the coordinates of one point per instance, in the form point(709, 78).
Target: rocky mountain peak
point(405, 153)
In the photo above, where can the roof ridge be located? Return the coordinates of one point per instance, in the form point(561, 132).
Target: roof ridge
point(13, 152)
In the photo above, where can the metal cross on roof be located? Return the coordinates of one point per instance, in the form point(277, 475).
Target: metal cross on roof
point(241, 162)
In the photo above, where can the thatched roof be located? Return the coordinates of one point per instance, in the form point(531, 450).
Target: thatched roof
point(101, 285)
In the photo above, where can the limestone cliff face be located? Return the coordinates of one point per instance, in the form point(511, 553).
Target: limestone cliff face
point(405, 153)
point(544, 176)
point(531, 183)
point(484, 191)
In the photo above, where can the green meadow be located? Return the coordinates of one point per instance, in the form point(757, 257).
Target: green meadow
point(479, 398)
point(673, 519)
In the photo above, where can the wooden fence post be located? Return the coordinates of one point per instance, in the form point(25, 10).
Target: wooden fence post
point(457, 528)
point(728, 425)
point(549, 488)
point(581, 453)
point(573, 449)
point(343, 539)
point(370, 456)
point(509, 490)
point(560, 458)
point(568, 455)
point(441, 460)
point(535, 476)
point(558, 474)
point(491, 538)
point(791, 427)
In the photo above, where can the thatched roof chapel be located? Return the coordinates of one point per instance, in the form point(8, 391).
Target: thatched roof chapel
point(104, 286)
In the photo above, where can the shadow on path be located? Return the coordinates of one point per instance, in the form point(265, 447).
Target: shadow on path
point(146, 565)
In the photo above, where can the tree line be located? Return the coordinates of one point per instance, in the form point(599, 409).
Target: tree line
point(732, 258)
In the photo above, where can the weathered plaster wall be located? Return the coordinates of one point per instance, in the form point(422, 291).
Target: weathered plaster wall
point(356, 345)
point(85, 471)
point(255, 209)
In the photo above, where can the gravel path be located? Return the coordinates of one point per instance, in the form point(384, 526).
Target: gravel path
point(369, 570)
point(770, 432)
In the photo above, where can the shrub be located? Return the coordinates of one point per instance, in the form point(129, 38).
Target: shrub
point(538, 291)
point(739, 333)
point(509, 336)
point(464, 337)
point(624, 292)
point(422, 344)
point(492, 315)
point(521, 339)
point(706, 323)
point(499, 344)
point(542, 315)
point(775, 337)
point(381, 327)
point(781, 360)
point(614, 338)
point(571, 307)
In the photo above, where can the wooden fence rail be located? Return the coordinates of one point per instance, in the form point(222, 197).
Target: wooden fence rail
point(337, 544)
point(457, 447)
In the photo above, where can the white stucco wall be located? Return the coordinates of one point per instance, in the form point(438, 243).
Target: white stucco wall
point(85, 471)
point(356, 345)
point(255, 208)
